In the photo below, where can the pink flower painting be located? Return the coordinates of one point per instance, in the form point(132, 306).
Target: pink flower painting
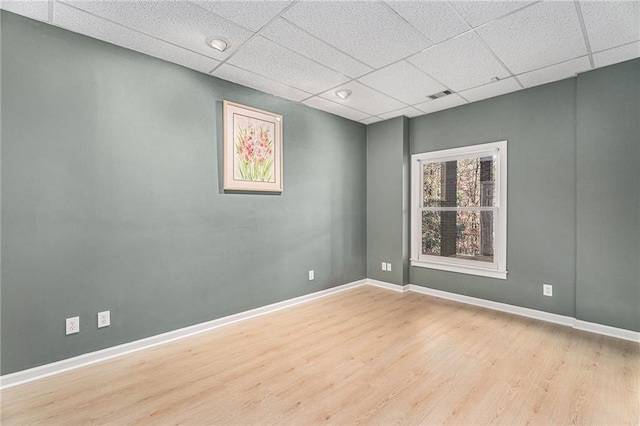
point(252, 149)
point(254, 154)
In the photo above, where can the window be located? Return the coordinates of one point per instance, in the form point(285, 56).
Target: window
point(459, 214)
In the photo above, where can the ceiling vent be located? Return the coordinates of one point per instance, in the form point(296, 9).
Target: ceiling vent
point(440, 94)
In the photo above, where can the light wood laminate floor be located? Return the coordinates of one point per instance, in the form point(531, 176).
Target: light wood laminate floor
point(364, 356)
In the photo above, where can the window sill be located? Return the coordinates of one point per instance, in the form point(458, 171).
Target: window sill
point(469, 270)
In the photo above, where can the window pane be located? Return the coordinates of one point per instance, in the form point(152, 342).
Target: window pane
point(463, 235)
point(467, 182)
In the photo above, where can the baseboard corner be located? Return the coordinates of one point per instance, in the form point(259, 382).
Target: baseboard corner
point(388, 286)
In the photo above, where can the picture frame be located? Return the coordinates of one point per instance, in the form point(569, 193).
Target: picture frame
point(252, 149)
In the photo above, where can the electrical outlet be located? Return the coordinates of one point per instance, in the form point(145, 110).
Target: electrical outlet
point(384, 266)
point(388, 267)
point(547, 290)
point(72, 325)
point(311, 275)
point(104, 319)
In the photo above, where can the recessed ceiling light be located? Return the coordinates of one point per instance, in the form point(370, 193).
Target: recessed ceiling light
point(343, 94)
point(218, 43)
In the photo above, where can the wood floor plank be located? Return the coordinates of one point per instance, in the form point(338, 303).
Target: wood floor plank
point(365, 356)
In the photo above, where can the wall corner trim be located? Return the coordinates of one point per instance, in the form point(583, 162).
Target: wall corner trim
point(46, 370)
point(567, 321)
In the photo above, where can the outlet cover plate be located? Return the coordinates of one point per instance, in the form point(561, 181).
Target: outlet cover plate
point(104, 319)
point(547, 290)
point(311, 275)
point(388, 267)
point(72, 325)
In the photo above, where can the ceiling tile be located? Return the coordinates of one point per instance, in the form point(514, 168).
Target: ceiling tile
point(368, 31)
point(440, 104)
point(252, 14)
point(318, 46)
point(271, 60)
point(179, 22)
point(364, 99)
point(34, 9)
point(460, 63)
point(287, 34)
point(249, 79)
point(617, 54)
point(371, 120)
point(480, 12)
point(611, 23)
point(435, 19)
point(492, 89)
point(84, 23)
point(334, 108)
point(408, 111)
point(540, 35)
point(403, 82)
point(555, 72)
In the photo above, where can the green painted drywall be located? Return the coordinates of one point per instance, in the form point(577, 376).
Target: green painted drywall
point(573, 203)
point(539, 125)
point(0, 195)
point(387, 196)
point(406, 203)
point(111, 198)
point(608, 194)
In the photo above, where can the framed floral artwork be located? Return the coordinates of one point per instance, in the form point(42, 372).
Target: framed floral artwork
point(252, 149)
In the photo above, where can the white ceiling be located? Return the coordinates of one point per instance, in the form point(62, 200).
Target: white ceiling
point(391, 54)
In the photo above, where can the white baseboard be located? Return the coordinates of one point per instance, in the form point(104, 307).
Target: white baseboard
point(24, 376)
point(388, 286)
point(605, 330)
point(497, 306)
point(47, 370)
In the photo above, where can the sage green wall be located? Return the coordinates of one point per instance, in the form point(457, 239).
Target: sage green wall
point(574, 204)
point(387, 215)
point(0, 196)
point(111, 198)
point(539, 125)
point(608, 220)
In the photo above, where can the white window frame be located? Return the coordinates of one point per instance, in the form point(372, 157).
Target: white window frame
point(497, 269)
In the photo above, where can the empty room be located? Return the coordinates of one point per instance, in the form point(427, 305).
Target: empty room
point(320, 212)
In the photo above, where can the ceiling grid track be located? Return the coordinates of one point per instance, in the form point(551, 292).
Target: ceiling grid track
point(232, 54)
point(583, 27)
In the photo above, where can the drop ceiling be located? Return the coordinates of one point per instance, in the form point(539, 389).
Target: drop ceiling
point(390, 54)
